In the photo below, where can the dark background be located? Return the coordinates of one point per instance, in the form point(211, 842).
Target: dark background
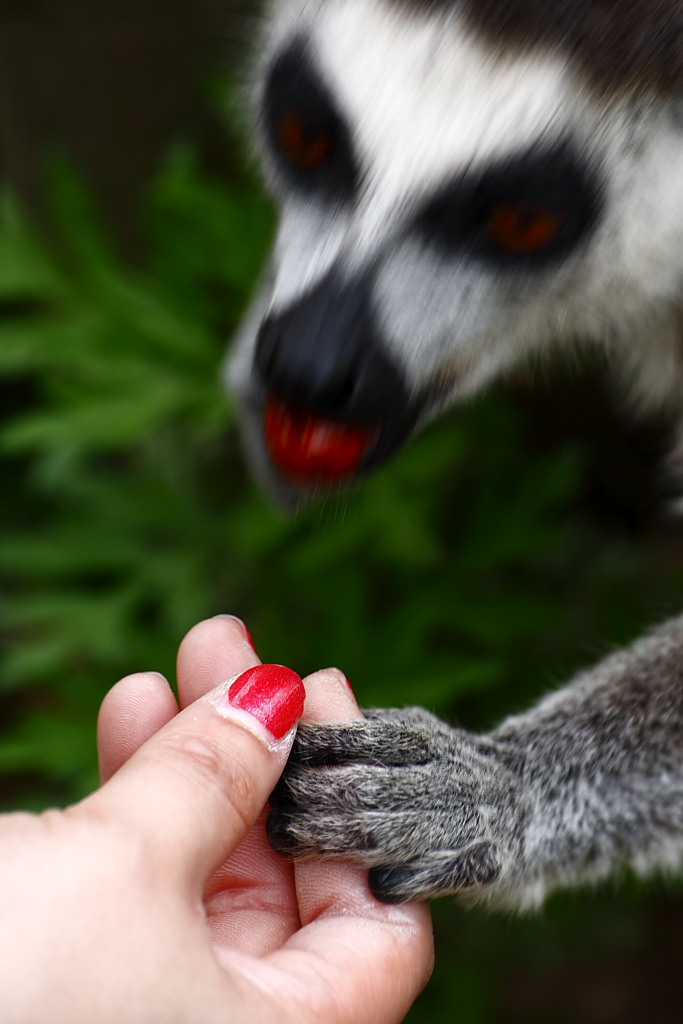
point(513, 543)
point(115, 83)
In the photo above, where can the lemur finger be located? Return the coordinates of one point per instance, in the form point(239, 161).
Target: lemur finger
point(292, 835)
point(369, 837)
point(373, 741)
point(347, 789)
point(437, 874)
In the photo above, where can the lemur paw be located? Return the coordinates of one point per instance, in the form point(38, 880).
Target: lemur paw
point(429, 809)
point(465, 871)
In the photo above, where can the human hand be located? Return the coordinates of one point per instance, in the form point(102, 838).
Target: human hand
point(157, 899)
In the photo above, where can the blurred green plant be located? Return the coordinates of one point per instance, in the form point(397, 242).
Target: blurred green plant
point(461, 577)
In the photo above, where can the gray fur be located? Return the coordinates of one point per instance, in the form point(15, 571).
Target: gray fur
point(584, 785)
point(591, 780)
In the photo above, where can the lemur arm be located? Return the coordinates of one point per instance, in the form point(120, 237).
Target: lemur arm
point(588, 782)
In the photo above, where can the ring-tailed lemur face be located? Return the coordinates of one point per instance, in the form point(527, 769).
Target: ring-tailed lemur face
point(446, 209)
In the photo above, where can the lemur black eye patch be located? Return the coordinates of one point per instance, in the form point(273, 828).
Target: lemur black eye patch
point(306, 132)
point(526, 211)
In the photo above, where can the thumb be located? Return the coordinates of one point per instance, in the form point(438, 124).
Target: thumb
point(194, 790)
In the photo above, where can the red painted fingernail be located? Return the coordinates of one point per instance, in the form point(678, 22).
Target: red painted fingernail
point(273, 694)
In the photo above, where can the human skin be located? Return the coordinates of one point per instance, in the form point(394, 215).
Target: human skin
point(157, 898)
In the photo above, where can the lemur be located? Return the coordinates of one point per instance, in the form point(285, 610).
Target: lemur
point(462, 185)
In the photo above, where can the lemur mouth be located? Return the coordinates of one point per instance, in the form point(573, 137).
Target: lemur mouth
point(308, 449)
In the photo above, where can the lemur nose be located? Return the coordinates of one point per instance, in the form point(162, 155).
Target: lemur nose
point(323, 354)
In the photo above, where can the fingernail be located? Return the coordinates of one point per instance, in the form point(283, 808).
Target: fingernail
point(272, 694)
point(242, 626)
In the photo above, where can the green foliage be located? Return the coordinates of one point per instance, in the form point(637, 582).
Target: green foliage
point(461, 577)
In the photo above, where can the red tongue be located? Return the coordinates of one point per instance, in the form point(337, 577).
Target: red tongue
point(305, 447)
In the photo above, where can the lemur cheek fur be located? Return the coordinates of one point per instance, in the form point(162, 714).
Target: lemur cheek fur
point(464, 185)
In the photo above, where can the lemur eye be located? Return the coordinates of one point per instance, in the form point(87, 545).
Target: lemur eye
point(303, 143)
point(523, 213)
point(307, 134)
point(522, 227)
